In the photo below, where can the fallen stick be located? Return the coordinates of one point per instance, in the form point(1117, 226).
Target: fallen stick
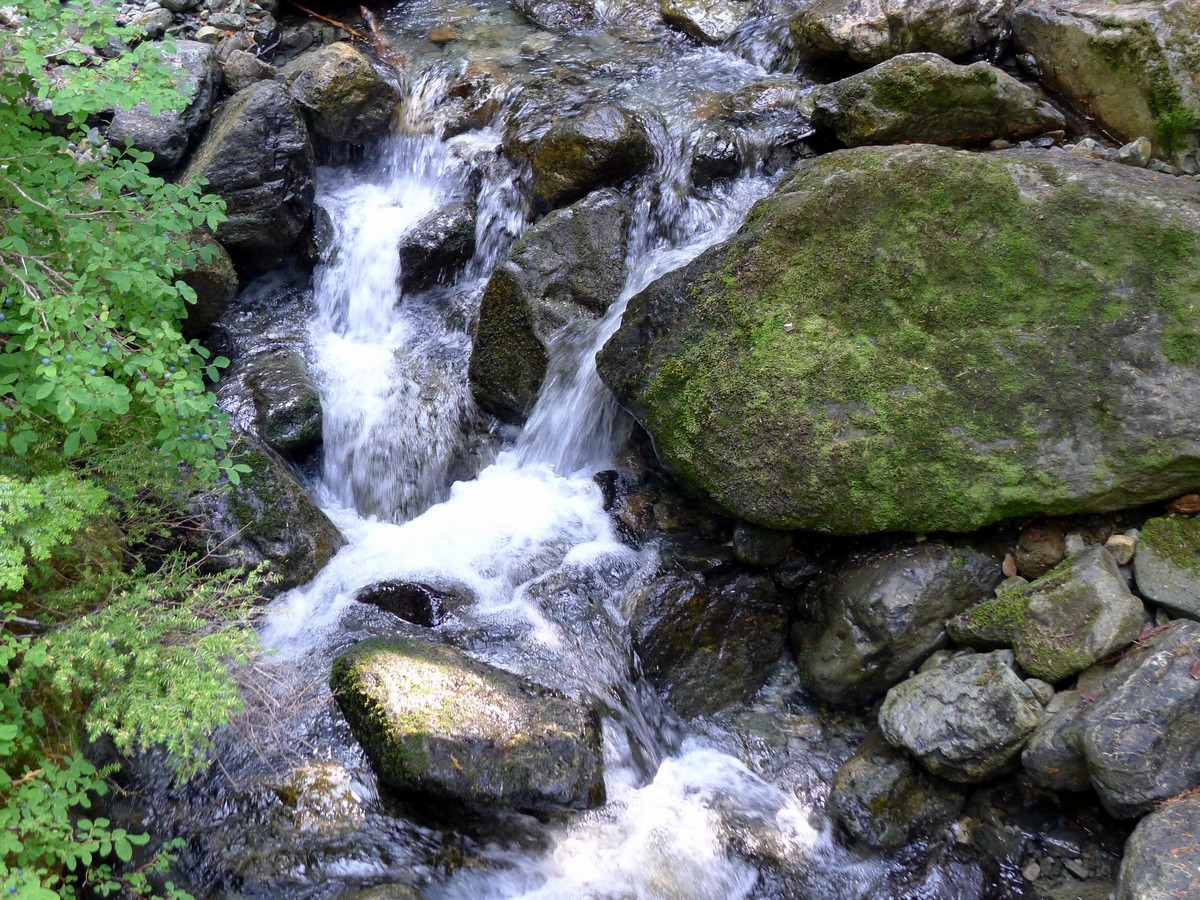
point(356, 35)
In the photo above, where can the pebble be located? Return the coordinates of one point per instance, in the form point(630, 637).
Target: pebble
point(1122, 547)
point(1041, 690)
point(1031, 871)
point(1075, 544)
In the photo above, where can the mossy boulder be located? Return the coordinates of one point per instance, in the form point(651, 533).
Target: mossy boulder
point(1162, 856)
point(883, 613)
point(925, 98)
point(870, 31)
point(1167, 563)
point(345, 98)
point(1133, 67)
point(569, 266)
point(913, 338)
point(436, 722)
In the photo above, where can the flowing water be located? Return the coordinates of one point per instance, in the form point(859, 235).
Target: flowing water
point(513, 523)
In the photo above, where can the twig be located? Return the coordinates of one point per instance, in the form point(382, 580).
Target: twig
point(358, 35)
point(381, 47)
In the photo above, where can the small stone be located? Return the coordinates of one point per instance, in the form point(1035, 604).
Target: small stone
point(155, 22)
point(1011, 584)
point(1075, 544)
point(1000, 144)
point(1121, 547)
point(209, 35)
point(1042, 691)
point(1032, 871)
point(755, 546)
point(444, 35)
point(1136, 153)
point(1040, 548)
point(1076, 868)
point(228, 21)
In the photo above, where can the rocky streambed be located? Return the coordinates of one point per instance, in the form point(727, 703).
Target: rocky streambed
point(723, 449)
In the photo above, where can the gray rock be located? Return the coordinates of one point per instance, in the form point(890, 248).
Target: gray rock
point(565, 16)
point(286, 402)
point(436, 722)
point(568, 266)
point(257, 157)
point(421, 604)
point(1040, 547)
point(1075, 616)
point(883, 613)
point(1162, 856)
point(206, 34)
point(924, 98)
point(242, 69)
point(1043, 691)
point(1135, 153)
point(1050, 759)
point(438, 246)
point(345, 98)
point(708, 21)
point(227, 21)
point(708, 643)
point(870, 31)
point(168, 134)
point(155, 22)
point(885, 800)
point(180, 5)
point(834, 425)
point(602, 146)
point(1141, 738)
point(214, 281)
point(1167, 564)
point(716, 155)
point(966, 722)
point(1133, 67)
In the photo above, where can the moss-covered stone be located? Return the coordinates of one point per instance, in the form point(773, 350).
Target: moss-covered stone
point(345, 98)
point(436, 722)
point(1167, 563)
point(913, 339)
point(992, 624)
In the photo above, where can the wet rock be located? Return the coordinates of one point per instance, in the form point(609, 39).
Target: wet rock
point(833, 425)
point(565, 16)
point(286, 401)
point(1132, 67)
point(242, 69)
point(871, 31)
point(258, 159)
point(602, 146)
point(1167, 564)
point(708, 21)
point(1050, 759)
point(1162, 856)
point(436, 722)
point(438, 246)
point(885, 800)
point(473, 100)
point(568, 266)
point(708, 643)
point(1075, 616)
point(214, 281)
point(924, 98)
point(883, 613)
point(716, 156)
point(420, 604)
point(1141, 738)
point(167, 134)
point(965, 722)
point(269, 518)
point(754, 546)
point(345, 98)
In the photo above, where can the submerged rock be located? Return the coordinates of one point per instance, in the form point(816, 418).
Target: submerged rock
point(886, 800)
point(258, 159)
point(924, 98)
point(965, 721)
point(870, 31)
point(436, 722)
point(1162, 856)
point(568, 266)
point(883, 613)
point(345, 98)
point(914, 338)
point(412, 601)
point(1167, 564)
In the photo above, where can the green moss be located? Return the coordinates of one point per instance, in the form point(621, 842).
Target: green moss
point(921, 299)
point(993, 623)
point(1176, 538)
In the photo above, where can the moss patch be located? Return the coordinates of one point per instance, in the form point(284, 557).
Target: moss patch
point(1176, 538)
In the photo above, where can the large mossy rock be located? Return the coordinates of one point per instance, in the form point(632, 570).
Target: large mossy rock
point(436, 722)
point(915, 339)
point(345, 98)
point(1162, 856)
point(568, 266)
point(883, 613)
point(257, 157)
point(1167, 563)
point(870, 31)
point(965, 721)
point(925, 98)
point(1133, 67)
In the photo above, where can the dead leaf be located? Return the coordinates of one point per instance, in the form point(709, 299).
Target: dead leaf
point(1187, 504)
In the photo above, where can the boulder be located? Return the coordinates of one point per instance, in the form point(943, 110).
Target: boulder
point(435, 722)
point(602, 146)
point(286, 401)
point(708, 21)
point(1049, 759)
point(438, 246)
point(167, 134)
point(920, 339)
point(1166, 563)
point(708, 642)
point(266, 518)
point(886, 800)
point(870, 31)
point(345, 98)
point(965, 721)
point(883, 613)
point(213, 279)
point(1141, 738)
point(421, 604)
point(257, 157)
point(1133, 67)
point(242, 69)
point(925, 98)
point(570, 265)
point(1162, 856)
